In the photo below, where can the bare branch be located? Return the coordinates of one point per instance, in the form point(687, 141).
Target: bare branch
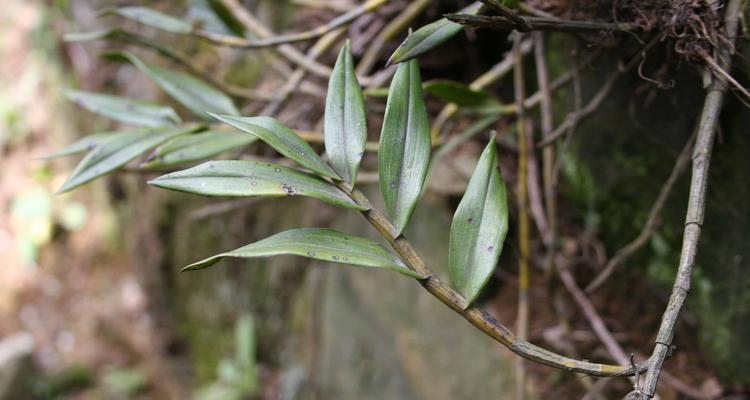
point(529, 24)
point(696, 207)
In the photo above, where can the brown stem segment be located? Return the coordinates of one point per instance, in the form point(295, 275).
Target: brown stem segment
point(696, 206)
point(481, 319)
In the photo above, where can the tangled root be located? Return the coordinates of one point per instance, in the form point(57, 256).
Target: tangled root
point(694, 26)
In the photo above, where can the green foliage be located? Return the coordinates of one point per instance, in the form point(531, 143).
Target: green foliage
point(153, 18)
point(239, 178)
point(238, 376)
point(479, 227)
point(117, 151)
point(320, 244)
point(345, 126)
point(197, 96)
point(405, 145)
point(127, 111)
point(429, 36)
point(404, 154)
point(282, 139)
point(198, 146)
point(81, 145)
point(464, 96)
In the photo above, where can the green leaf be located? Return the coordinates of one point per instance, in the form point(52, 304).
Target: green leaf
point(75, 37)
point(429, 36)
point(151, 17)
point(198, 146)
point(345, 128)
point(83, 144)
point(197, 96)
point(239, 178)
point(479, 227)
point(320, 244)
point(128, 111)
point(118, 151)
point(282, 139)
point(461, 94)
point(404, 152)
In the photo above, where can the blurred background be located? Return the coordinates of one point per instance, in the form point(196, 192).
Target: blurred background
point(92, 304)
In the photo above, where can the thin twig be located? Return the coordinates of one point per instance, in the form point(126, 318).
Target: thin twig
point(696, 206)
point(574, 117)
point(481, 319)
point(718, 70)
point(341, 20)
point(524, 136)
point(253, 25)
point(649, 228)
point(389, 32)
point(320, 47)
point(605, 336)
point(497, 72)
point(537, 24)
point(548, 155)
point(508, 14)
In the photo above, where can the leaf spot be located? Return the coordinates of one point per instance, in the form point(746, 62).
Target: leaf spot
point(335, 257)
point(311, 253)
point(470, 220)
point(490, 248)
point(277, 169)
point(290, 191)
point(346, 258)
point(253, 183)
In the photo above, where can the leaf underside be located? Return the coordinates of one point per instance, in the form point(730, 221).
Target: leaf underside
point(245, 178)
point(125, 110)
point(282, 139)
point(320, 244)
point(195, 147)
point(118, 150)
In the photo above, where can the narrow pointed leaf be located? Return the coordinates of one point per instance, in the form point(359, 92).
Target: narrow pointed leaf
point(320, 244)
point(118, 151)
point(197, 96)
point(86, 143)
point(239, 178)
point(198, 146)
point(282, 139)
point(128, 111)
point(429, 36)
point(151, 17)
point(404, 152)
point(345, 125)
point(461, 95)
point(77, 37)
point(479, 227)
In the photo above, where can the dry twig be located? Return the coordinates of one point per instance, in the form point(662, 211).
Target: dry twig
point(696, 207)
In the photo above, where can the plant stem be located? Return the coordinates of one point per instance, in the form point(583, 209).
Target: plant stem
point(696, 206)
point(522, 195)
point(536, 23)
point(481, 319)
